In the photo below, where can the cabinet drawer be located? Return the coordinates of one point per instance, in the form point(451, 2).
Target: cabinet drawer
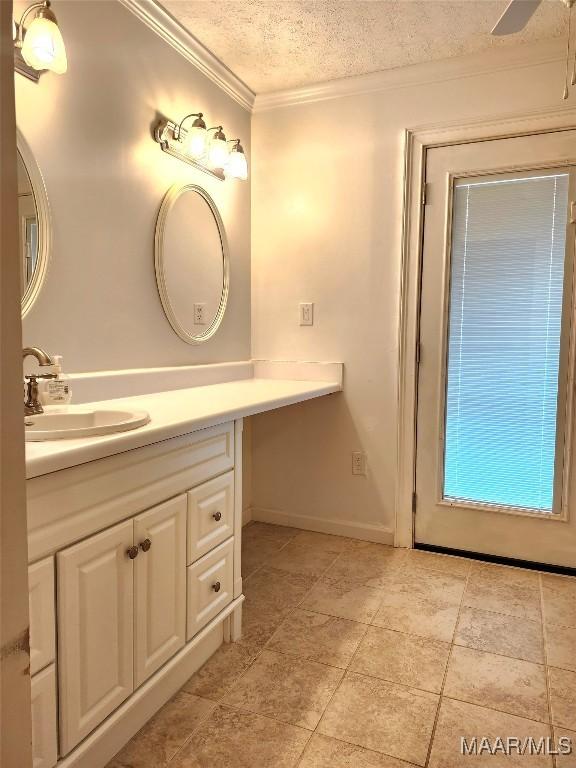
point(44, 737)
point(42, 620)
point(210, 515)
point(210, 586)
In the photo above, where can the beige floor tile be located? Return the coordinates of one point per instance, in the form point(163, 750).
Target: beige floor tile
point(458, 720)
point(288, 689)
point(234, 739)
point(417, 558)
point(417, 616)
point(318, 637)
point(417, 662)
point(563, 697)
point(306, 557)
point(221, 670)
point(504, 590)
point(164, 734)
point(429, 586)
point(366, 564)
point(256, 551)
point(324, 752)
point(323, 541)
point(498, 633)
point(559, 595)
point(382, 716)
point(270, 595)
point(256, 530)
point(561, 647)
point(565, 740)
point(345, 599)
point(509, 685)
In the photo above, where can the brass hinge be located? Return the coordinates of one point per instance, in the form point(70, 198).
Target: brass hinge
point(414, 501)
point(425, 193)
point(573, 212)
point(418, 353)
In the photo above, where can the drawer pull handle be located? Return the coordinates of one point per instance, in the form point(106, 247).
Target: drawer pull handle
point(145, 545)
point(216, 587)
point(132, 552)
point(217, 516)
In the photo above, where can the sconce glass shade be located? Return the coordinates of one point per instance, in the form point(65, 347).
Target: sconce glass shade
point(237, 166)
point(43, 46)
point(218, 151)
point(196, 141)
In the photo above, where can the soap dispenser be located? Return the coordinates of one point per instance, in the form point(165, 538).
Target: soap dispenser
point(55, 388)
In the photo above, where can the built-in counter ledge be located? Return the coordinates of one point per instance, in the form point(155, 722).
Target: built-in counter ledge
point(181, 400)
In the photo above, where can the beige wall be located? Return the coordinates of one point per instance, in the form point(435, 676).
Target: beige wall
point(105, 176)
point(326, 227)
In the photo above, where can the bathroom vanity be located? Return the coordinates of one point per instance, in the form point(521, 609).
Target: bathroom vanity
point(134, 550)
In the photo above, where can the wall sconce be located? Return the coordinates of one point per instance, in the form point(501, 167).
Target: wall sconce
point(194, 146)
point(40, 46)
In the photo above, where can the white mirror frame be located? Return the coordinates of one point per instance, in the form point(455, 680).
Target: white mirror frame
point(169, 200)
point(44, 225)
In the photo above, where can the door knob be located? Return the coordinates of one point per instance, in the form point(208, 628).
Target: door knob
point(216, 587)
point(145, 545)
point(217, 516)
point(132, 552)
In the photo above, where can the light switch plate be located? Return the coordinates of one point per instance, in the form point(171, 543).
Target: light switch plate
point(306, 313)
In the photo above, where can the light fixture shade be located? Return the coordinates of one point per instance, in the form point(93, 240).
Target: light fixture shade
point(218, 151)
point(196, 141)
point(237, 166)
point(43, 46)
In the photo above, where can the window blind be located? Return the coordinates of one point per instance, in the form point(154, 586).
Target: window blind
point(507, 272)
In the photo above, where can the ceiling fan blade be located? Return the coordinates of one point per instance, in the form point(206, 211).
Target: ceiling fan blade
point(515, 17)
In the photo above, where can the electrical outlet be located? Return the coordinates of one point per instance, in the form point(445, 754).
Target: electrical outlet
point(306, 313)
point(199, 314)
point(359, 463)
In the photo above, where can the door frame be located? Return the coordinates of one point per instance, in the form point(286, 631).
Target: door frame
point(416, 143)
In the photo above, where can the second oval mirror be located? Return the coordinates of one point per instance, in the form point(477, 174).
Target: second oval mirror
point(191, 259)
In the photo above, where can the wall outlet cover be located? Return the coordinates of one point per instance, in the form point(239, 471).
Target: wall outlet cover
point(199, 314)
point(306, 313)
point(359, 463)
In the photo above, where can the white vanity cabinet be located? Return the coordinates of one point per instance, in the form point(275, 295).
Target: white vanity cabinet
point(143, 548)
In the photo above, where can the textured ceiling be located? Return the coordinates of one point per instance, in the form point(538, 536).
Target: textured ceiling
point(277, 44)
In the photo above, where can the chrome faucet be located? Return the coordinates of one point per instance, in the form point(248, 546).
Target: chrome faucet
point(31, 404)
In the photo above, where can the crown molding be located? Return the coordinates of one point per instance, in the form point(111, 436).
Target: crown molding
point(169, 29)
point(425, 73)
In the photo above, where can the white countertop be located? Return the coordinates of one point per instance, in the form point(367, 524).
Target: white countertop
point(174, 413)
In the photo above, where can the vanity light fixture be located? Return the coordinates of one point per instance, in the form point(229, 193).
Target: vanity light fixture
point(192, 145)
point(237, 167)
point(40, 46)
point(195, 139)
point(218, 150)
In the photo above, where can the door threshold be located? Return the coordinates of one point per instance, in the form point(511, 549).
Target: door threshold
point(563, 570)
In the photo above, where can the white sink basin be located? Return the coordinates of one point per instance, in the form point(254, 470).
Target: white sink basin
point(82, 423)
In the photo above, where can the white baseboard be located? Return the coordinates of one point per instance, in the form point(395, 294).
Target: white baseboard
point(246, 515)
point(352, 529)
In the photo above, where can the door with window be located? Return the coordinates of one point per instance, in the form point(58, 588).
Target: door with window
point(496, 371)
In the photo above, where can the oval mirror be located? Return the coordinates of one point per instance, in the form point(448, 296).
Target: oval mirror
point(33, 225)
point(191, 260)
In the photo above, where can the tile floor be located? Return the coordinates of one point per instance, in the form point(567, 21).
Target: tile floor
point(356, 655)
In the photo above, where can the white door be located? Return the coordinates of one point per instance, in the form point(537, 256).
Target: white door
point(160, 586)
point(493, 468)
point(95, 630)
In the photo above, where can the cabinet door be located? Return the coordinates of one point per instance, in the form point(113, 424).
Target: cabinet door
point(44, 741)
point(95, 631)
point(42, 622)
point(160, 586)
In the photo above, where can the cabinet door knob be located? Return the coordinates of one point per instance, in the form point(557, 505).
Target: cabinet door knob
point(217, 516)
point(132, 552)
point(145, 545)
point(216, 587)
